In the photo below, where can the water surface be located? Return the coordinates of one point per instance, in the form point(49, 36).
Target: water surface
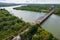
point(27, 16)
point(52, 24)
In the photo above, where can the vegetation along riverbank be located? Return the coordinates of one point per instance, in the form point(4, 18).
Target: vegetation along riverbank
point(32, 7)
point(10, 25)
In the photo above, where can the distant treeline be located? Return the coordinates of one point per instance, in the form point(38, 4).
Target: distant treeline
point(7, 4)
point(36, 8)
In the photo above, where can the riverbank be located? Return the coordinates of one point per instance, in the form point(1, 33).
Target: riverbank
point(57, 11)
point(10, 25)
point(34, 8)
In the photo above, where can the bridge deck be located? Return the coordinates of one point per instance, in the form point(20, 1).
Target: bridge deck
point(39, 21)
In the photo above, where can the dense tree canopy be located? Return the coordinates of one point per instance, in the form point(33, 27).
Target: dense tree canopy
point(37, 33)
point(9, 24)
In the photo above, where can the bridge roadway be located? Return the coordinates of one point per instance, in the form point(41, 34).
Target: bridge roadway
point(41, 20)
point(26, 28)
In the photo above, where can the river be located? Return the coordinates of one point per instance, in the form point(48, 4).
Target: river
point(52, 24)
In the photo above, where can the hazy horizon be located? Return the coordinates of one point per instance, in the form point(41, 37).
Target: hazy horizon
point(32, 1)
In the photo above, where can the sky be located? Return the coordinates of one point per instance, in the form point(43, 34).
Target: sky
point(33, 1)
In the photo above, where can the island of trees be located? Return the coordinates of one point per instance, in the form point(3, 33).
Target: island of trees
point(32, 7)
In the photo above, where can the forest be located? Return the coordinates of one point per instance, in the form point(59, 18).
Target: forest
point(9, 24)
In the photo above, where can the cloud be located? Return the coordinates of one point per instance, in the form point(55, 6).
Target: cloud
point(32, 1)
